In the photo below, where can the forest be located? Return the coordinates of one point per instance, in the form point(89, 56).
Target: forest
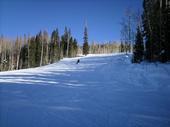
point(144, 35)
point(37, 50)
point(150, 41)
point(43, 49)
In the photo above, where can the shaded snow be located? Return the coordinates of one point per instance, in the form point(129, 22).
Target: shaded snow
point(101, 91)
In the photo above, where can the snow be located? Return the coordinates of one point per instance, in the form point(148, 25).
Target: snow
point(100, 91)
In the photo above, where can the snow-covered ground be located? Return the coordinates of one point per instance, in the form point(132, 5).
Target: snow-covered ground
point(101, 91)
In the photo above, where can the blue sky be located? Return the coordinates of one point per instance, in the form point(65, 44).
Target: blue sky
point(19, 17)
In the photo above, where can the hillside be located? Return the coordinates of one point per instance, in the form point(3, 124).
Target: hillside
point(100, 91)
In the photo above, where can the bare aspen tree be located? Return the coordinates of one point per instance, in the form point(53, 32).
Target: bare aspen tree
point(68, 40)
point(19, 46)
point(4, 58)
point(28, 41)
point(46, 42)
point(12, 56)
point(42, 49)
point(129, 25)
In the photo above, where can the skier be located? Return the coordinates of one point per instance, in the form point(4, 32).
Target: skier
point(78, 61)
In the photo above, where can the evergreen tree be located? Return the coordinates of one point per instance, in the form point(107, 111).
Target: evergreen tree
point(64, 42)
point(85, 44)
point(156, 17)
point(54, 46)
point(32, 52)
point(165, 30)
point(24, 56)
point(75, 48)
point(138, 49)
point(71, 48)
point(38, 43)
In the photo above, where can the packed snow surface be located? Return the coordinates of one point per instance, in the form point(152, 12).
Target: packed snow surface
point(100, 91)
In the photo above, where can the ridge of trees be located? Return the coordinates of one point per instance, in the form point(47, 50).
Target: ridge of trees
point(104, 48)
point(37, 50)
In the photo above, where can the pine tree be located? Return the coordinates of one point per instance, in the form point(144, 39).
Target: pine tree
point(121, 47)
point(138, 51)
point(54, 46)
point(71, 48)
point(38, 42)
point(32, 52)
point(156, 31)
point(75, 48)
point(64, 42)
point(24, 56)
point(165, 30)
point(85, 44)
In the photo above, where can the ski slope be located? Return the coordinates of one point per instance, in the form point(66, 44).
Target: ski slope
point(101, 91)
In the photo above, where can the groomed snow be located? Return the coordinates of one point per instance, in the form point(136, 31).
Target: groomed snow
point(101, 91)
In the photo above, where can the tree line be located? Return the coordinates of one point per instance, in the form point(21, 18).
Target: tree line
point(100, 48)
point(38, 50)
point(104, 48)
